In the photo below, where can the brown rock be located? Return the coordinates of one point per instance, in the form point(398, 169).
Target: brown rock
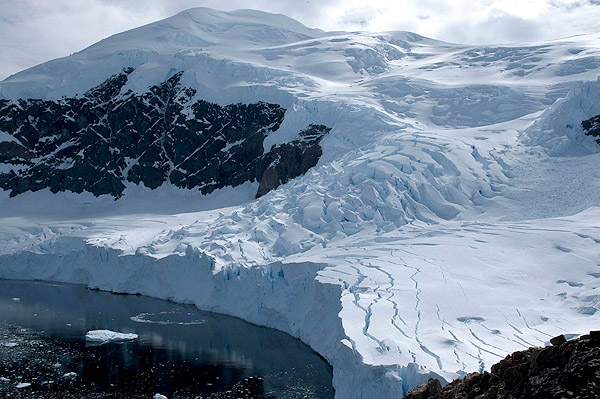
point(419, 392)
point(568, 369)
point(432, 390)
point(559, 340)
point(434, 387)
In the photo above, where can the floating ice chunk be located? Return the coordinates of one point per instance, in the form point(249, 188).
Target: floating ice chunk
point(159, 396)
point(103, 336)
point(4, 379)
point(23, 385)
point(17, 299)
point(9, 344)
point(71, 374)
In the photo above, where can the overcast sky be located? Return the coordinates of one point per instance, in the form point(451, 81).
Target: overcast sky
point(34, 31)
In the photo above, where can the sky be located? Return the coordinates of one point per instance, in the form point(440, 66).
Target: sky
point(34, 31)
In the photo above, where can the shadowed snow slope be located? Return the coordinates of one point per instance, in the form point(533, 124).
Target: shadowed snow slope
point(452, 218)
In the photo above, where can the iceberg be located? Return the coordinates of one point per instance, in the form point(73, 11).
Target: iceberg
point(104, 336)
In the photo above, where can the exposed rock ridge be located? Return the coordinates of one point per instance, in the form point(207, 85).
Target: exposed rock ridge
point(592, 127)
point(567, 369)
point(109, 136)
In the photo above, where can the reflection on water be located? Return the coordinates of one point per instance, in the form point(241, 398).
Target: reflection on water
point(179, 349)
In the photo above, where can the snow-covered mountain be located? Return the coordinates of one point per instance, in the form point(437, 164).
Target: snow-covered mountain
point(441, 211)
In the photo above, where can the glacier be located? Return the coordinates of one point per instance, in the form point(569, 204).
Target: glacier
point(453, 218)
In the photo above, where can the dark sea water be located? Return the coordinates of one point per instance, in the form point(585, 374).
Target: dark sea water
point(181, 352)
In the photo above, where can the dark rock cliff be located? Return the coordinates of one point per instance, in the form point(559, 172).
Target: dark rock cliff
point(592, 127)
point(100, 141)
point(567, 369)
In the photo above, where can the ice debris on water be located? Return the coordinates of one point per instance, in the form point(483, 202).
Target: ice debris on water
point(23, 385)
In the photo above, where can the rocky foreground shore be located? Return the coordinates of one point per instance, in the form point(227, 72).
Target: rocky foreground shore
point(566, 369)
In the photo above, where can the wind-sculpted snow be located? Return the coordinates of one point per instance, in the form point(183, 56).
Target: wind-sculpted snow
point(451, 219)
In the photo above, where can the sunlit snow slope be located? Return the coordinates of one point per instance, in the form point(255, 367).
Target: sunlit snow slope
point(452, 219)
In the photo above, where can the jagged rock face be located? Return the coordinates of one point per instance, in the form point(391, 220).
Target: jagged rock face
point(592, 127)
point(567, 369)
point(289, 160)
point(105, 138)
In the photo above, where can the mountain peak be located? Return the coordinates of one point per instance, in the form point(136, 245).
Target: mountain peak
point(217, 21)
point(206, 27)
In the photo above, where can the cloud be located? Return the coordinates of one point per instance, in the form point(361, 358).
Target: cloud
point(497, 26)
point(35, 31)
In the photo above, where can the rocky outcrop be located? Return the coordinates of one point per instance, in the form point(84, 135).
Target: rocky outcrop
point(288, 160)
point(109, 136)
point(592, 127)
point(566, 369)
